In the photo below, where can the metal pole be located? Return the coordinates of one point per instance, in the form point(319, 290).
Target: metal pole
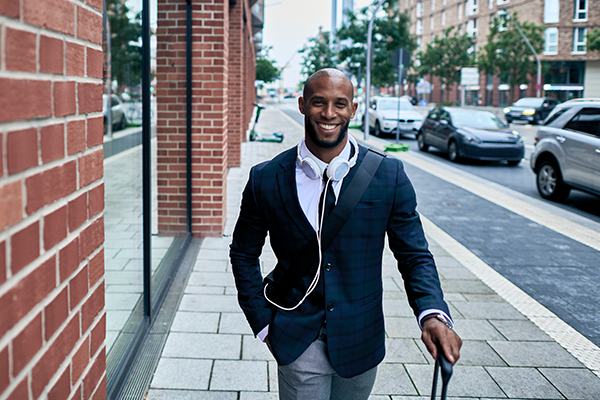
point(146, 159)
point(333, 23)
point(188, 114)
point(537, 59)
point(368, 85)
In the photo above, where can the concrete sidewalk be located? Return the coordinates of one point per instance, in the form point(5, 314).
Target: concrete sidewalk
point(211, 353)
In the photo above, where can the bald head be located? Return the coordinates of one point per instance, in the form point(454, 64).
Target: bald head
point(326, 72)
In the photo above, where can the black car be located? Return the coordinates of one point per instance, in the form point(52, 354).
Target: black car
point(468, 133)
point(530, 109)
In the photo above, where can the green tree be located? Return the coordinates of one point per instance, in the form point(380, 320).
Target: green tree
point(445, 56)
point(507, 54)
point(266, 70)
point(593, 40)
point(126, 57)
point(317, 55)
point(390, 33)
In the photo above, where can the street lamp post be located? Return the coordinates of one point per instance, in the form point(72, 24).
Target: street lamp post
point(368, 84)
point(538, 85)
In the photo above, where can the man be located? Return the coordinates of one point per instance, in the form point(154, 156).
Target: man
point(327, 331)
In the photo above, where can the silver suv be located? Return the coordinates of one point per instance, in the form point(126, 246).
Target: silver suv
point(567, 150)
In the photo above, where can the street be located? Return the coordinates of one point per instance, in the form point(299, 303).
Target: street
point(553, 267)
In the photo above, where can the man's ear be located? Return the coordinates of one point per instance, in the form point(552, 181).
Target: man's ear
point(301, 104)
point(354, 108)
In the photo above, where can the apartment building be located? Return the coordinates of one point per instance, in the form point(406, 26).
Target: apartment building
point(570, 70)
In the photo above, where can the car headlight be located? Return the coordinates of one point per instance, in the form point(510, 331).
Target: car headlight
point(471, 139)
point(529, 111)
point(506, 110)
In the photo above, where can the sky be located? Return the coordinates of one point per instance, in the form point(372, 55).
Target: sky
point(288, 26)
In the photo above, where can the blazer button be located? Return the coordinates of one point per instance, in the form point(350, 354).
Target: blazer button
point(330, 307)
point(328, 267)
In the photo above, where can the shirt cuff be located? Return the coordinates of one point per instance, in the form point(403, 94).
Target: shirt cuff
point(435, 311)
point(263, 334)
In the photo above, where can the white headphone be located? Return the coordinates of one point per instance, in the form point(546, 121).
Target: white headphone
point(337, 169)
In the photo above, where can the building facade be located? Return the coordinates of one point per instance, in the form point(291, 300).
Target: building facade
point(87, 254)
point(570, 70)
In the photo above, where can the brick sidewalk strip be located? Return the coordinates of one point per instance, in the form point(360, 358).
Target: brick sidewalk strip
point(513, 347)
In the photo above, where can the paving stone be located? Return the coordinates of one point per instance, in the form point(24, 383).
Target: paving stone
point(181, 373)
point(258, 396)
point(215, 303)
point(392, 379)
point(480, 310)
point(204, 290)
point(202, 345)
point(206, 255)
point(124, 289)
point(212, 265)
point(124, 277)
point(273, 378)
point(403, 351)
point(535, 354)
point(520, 330)
point(465, 286)
point(402, 327)
point(574, 383)
point(239, 375)
point(121, 301)
point(205, 278)
point(452, 274)
point(476, 329)
point(115, 320)
point(159, 394)
point(476, 352)
point(195, 322)
point(397, 308)
point(466, 381)
point(526, 383)
point(254, 349)
point(234, 323)
point(483, 298)
point(454, 297)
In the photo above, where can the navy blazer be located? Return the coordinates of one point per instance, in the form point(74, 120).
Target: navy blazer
point(350, 290)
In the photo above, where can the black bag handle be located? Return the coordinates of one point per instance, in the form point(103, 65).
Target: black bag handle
point(332, 225)
point(443, 364)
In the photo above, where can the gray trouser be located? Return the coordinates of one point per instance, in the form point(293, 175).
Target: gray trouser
point(311, 377)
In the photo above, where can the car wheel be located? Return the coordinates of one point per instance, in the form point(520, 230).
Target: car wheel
point(453, 153)
point(421, 142)
point(377, 129)
point(550, 184)
point(513, 163)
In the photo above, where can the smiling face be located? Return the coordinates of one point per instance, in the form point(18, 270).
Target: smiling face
point(328, 107)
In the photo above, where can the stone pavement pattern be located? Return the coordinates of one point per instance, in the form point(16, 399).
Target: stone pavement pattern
point(212, 354)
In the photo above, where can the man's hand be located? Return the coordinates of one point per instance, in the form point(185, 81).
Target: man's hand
point(436, 333)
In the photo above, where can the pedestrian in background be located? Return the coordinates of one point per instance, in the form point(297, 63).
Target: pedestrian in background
point(326, 327)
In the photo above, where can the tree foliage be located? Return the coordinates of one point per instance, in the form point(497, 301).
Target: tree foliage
point(593, 40)
point(126, 59)
point(445, 56)
point(390, 33)
point(317, 55)
point(507, 54)
point(266, 70)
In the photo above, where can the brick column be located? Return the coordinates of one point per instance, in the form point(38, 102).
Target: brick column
point(52, 325)
point(210, 69)
point(236, 99)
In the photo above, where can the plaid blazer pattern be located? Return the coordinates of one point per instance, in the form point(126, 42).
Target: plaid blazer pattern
point(350, 292)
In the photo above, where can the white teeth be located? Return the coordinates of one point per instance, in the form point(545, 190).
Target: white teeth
point(328, 127)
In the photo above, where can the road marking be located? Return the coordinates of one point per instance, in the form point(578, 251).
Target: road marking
point(571, 340)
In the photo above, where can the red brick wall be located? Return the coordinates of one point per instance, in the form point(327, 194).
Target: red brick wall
point(221, 74)
point(52, 196)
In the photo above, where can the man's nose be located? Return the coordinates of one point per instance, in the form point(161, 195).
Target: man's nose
point(329, 111)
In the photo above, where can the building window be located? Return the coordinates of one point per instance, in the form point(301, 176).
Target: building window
point(460, 8)
point(502, 2)
point(419, 30)
point(551, 46)
point(419, 43)
point(581, 8)
point(432, 5)
point(472, 27)
point(490, 4)
point(550, 11)
point(579, 40)
point(472, 7)
point(419, 9)
point(443, 3)
point(431, 23)
point(460, 29)
point(443, 17)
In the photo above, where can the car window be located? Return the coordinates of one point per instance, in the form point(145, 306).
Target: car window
point(114, 101)
point(587, 121)
point(392, 104)
point(434, 114)
point(529, 102)
point(557, 112)
point(445, 116)
point(476, 119)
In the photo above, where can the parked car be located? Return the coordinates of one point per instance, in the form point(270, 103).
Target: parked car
point(567, 150)
point(468, 133)
point(119, 120)
point(531, 109)
point(386, 114)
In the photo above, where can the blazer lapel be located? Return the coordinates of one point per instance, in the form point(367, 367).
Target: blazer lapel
point(286, 179)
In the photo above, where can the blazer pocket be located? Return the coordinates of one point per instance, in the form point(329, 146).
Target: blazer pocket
point(369, 298)
point(370, 203)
